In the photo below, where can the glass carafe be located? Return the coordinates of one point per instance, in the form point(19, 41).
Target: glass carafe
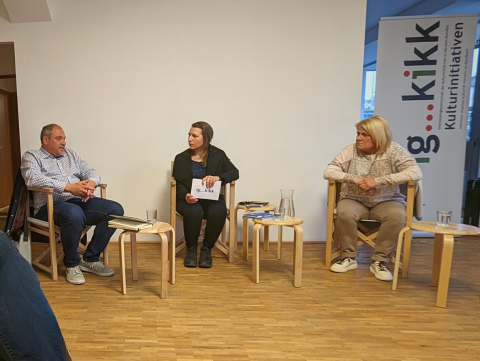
point(287, 202)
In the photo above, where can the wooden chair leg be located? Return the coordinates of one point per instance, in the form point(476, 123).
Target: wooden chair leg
point(53, 254)
point(121, 246)
point(105, 256)
point(279, 248)
point(224, 233)
point(298, 240)
point(53, 258)
point(171, 256)
point(445, 267)
point(235, 240)
point(399, 251)
point(328, 244)
point(437, 258)
point(266, 238)
point(232, 239)
point(406, 253)
point(294, 249)
point(256, 253)
point(133, 252)
point(245, 239)
point(171, 247)
point(164, 260)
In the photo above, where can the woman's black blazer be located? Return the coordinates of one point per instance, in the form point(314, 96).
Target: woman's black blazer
point(218, 164)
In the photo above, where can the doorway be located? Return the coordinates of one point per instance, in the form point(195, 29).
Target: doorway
point(10, 156)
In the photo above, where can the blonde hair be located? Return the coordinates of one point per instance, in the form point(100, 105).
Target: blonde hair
point(379, 130)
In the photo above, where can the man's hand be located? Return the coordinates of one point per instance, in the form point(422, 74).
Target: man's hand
point(210, 180)
point(90, 193)
point(366, 183)
point(190, 199)
point(83, 189)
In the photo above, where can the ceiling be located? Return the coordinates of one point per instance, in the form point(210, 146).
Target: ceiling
point(386, 8)
point(24, 11)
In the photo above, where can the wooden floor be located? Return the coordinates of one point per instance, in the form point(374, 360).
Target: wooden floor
point(219, 314)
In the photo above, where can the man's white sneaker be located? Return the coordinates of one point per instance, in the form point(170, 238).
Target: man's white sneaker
point(74, 275)
point(381, 272)
point(345, 264)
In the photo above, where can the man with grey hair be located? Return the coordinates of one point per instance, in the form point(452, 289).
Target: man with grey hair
point(73, 182)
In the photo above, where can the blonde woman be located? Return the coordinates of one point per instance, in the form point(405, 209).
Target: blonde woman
point(371, 170)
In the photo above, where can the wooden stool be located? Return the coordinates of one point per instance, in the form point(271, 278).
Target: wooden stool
point(159, 228)
point(267, 209)
point(297, 246)
point(442, 253)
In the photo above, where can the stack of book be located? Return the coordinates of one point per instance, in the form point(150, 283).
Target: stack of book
point(260, 215)
point(130, 223)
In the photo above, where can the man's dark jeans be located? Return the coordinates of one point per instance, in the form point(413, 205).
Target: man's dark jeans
point(73, 215)
point(28, 327)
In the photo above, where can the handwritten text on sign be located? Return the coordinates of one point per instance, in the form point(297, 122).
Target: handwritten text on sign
point(202, 192)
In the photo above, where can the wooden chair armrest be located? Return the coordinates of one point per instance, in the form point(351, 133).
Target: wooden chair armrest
point(102, 185)
point(173, 182)
point(44, 190)
point(41, 223)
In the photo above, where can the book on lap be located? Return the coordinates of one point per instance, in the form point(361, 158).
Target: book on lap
point(130, 223)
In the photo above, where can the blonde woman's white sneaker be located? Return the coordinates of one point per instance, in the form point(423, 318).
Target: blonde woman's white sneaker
point(381, 272)
point(343, 265)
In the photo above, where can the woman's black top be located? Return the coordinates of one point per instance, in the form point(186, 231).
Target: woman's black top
point(218, 164)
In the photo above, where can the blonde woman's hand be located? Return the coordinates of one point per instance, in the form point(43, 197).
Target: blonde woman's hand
point(366, 183)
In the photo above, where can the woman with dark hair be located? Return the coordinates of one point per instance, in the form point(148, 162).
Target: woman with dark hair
point(209, 163)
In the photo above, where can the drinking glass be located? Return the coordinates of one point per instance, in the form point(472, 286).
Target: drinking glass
point(151, 215)
point(287, 202)
point(443, 218)
point(278, 213)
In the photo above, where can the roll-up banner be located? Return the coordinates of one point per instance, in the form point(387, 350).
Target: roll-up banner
point(423, 85)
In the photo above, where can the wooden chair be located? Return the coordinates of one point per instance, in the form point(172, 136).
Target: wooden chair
point(367, 232)
point(221, 244)
point(49, 229)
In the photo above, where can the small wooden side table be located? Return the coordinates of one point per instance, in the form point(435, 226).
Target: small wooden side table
point(442, 253)
point(267, 209)
point(159, 228)
point(297, 246)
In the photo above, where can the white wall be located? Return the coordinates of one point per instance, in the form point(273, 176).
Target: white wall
point(279, 81)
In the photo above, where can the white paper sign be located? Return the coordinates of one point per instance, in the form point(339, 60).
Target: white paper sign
point(202, 192)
